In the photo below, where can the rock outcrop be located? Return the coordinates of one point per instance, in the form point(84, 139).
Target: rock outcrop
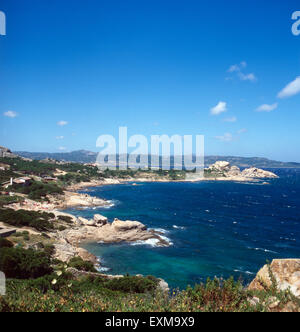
point(258, 173)
point(6, 153)
point(64, 251)
point(286, 273)
point(223, 169)
point(97, 221)
point(118, 231)
point(72, 199)
point(124, 226)
point(220, 166)
point(100, 220)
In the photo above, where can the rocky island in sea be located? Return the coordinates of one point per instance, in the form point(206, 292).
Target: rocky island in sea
point(34, 227)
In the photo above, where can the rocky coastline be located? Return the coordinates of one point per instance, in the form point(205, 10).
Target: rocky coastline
point(67, 242)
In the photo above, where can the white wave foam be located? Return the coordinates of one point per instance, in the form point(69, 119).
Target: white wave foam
point(152, 242)
point(167, 240)
point(110, 205)
point(103, 269)
point(262, 249)
point(178, 227)
point(241, 271)
point(159, 230)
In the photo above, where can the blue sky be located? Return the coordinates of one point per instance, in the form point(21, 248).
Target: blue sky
point(73, 70)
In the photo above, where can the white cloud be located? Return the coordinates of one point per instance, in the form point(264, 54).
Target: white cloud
point(267, 108)
point(62, 123)
point(62, 148)
point(247, 77)
point(238, 70)
point(60, 137)
point(218, 109)
point(10, 114)
point(232, 119)
point(225, 138)
point(291, 89)
point(233, 69)
point(242, 131)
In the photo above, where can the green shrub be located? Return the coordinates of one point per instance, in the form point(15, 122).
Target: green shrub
point(132, 284)
point(23, 218)
point(81, 265)
point(24, 264)
point(70, 178)
point(6, 200)
point(46, 236)
point(4, 243)
point(66, 219)
point(37, 190)
point(49, 250)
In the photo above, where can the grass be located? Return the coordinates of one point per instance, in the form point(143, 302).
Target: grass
point(88, 296)
point(136, 294)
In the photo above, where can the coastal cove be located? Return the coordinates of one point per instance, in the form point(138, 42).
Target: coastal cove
point(216, 228)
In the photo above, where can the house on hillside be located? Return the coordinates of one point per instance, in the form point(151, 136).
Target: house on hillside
point(48, 179)
point(23, 181)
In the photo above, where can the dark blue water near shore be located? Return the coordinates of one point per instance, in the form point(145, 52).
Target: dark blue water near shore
point(217, 228)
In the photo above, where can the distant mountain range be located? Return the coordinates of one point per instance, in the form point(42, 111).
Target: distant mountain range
point(83, 156)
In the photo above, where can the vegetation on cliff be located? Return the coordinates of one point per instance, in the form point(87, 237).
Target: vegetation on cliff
point(136, 294)
point(37, 190)
point(39, 221)
point(37, 282)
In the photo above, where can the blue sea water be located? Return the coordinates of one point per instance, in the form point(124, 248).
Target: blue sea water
point(216, 228)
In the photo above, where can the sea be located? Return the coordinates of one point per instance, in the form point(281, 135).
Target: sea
point(215, 228)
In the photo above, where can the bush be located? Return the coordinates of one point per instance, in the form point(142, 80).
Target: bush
point(66, 219)
point(81, 265)
point(24, 264)
point(24, 235)
point(6, 200)
point(70, 178)
point(132, 284)
point(5, 243)
point(37, 190)
point(49, 250)
point(46, 236)
point(39, 221)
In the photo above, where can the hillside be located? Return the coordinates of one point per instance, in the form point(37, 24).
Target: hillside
point(83, 156)
point(6, 153)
